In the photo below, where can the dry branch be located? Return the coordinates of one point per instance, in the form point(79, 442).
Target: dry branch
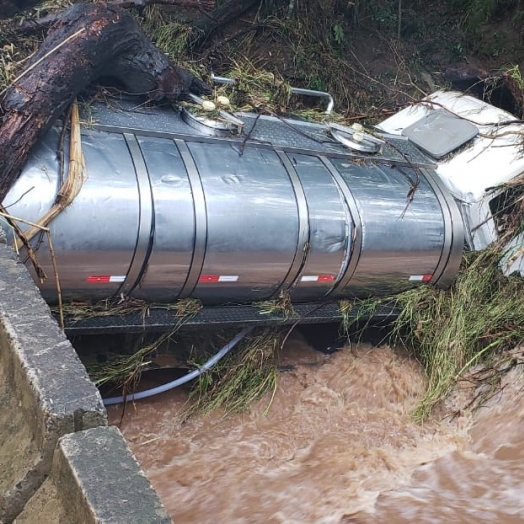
point(221, 16)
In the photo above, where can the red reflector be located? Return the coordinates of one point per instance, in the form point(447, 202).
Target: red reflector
point(209, 278)
point(426, 278)
point(98, 278)
point(326, 278)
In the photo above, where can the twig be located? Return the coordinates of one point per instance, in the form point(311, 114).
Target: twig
point(300, 319)
point(61, 145)
point(414, 183)
point(238, 34)
point(57, 280)
point(17, 219)
point(290, 9)
point(40, 273)
point(248, 135)
point(20, 197)
point(399, 19)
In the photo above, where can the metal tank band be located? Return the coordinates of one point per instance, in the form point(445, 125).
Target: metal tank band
point(453, 248)
point(199, 202)
point(356, 244)
point(146, 220)
point(302, 248)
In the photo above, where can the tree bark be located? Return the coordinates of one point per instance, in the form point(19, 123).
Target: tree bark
point(87, 42)
point(42, 23)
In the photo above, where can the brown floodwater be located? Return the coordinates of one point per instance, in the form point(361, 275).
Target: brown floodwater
point(336, 444)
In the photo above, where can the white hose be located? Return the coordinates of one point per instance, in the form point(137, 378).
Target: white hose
point(182, 380)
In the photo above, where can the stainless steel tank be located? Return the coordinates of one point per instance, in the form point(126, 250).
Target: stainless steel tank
point(169, 212)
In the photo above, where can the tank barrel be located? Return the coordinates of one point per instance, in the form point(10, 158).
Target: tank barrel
point(168, 212)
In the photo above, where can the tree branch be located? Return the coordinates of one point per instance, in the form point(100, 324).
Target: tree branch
point(220, 16)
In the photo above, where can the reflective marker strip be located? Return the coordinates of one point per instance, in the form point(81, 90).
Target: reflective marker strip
point(104, 279)
point(317, 278)
point(420, 278)
point(218, 278)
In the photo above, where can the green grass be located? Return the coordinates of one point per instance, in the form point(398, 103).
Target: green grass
point(124, 371)
point(244, 376)
point(449, 331)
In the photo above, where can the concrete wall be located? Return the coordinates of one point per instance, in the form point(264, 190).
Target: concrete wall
point(59, 462)
point(94, 478)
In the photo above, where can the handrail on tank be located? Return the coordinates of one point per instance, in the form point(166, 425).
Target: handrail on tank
point(294, 90)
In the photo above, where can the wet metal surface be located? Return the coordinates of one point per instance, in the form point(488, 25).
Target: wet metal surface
point(163, 216)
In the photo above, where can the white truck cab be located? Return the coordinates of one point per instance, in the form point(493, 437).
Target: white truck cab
point(477, 148)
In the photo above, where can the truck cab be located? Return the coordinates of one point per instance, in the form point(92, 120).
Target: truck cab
point(478, 153)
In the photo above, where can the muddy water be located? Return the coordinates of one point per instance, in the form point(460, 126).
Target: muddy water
point(336, 445)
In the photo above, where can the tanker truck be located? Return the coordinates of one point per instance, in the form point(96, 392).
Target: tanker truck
point(233, 209)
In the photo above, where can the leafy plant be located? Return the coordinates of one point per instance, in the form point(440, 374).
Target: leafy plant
point(338, 34)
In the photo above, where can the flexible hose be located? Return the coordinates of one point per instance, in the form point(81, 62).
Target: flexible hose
point(182, 380)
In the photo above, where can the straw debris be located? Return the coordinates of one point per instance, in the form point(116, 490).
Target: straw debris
point(124, 371)
point(183, 308)
point(244, 376)
point(72, 185)
point(280, 306)
point(355, 311)
point(480, 317)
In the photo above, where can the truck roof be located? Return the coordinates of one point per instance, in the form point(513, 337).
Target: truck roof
point(493, 157)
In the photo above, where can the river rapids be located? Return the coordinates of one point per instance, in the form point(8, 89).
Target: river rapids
point(336, 444)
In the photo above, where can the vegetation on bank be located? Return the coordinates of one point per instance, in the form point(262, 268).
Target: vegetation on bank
point(475, 322)
point(373, 57)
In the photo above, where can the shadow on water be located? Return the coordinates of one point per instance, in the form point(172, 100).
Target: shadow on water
point(331, 337)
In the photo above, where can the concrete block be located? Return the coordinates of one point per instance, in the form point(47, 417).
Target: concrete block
point(45, 391)
point(95, 479)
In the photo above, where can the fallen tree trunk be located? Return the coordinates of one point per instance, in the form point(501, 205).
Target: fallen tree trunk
point(87, 42)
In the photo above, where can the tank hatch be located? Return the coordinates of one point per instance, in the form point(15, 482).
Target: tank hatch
point(221, 124)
